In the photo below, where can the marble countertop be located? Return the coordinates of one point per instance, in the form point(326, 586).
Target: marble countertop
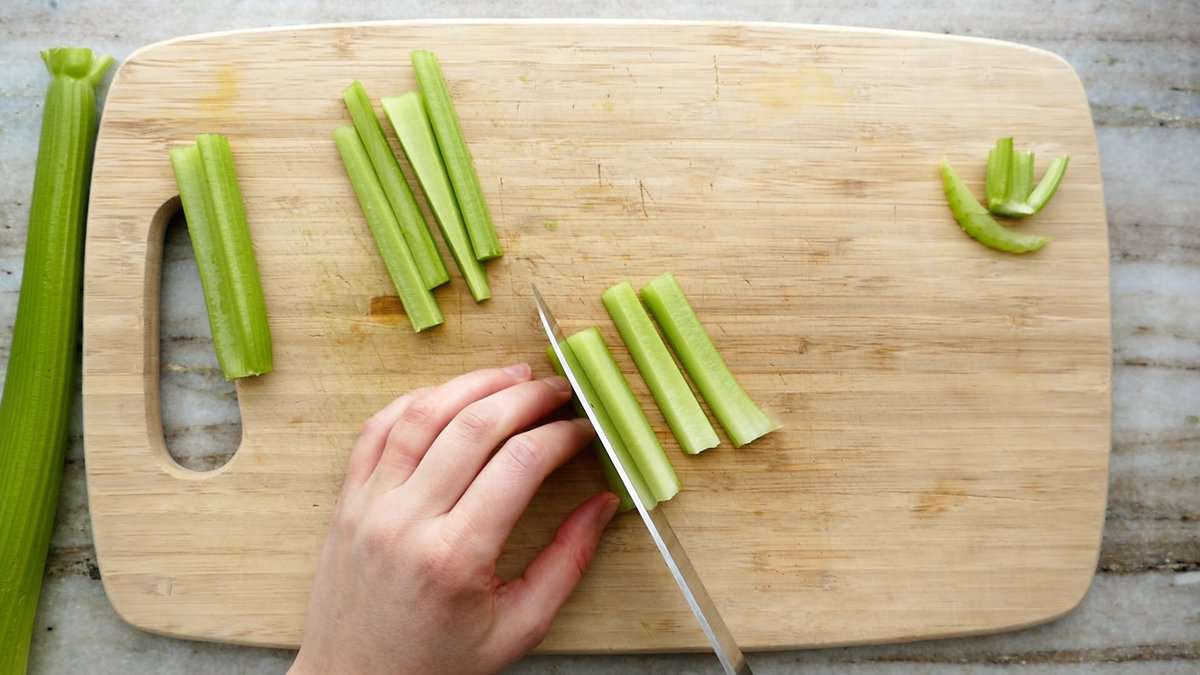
point(1140, 64)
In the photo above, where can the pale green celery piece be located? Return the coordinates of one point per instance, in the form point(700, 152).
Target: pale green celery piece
point(408, 214)
point(975, 221)
point(1049, 184)
point(998, 168)
point(407, 116)
point(627, 416)
point(738, 414)
point(456, 155)
point(671, 391)
point(216, 220)
point(419, 304)
point(610, 430)
point(35, 411)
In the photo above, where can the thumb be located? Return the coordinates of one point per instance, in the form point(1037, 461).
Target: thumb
point(528, 604)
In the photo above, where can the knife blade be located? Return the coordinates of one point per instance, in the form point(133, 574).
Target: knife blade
point(655, 519)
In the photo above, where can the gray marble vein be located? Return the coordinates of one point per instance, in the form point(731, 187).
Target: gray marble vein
point(1140, 64)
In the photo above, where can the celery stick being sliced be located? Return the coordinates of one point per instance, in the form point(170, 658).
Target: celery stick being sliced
point(741, 418)
point(627, 416)
point(671, 391)
point(610, 430)
point(419, 303)
point(391, 178)
point(35, 411)
point(407, 115)
point(456, 155)
point(216, 220)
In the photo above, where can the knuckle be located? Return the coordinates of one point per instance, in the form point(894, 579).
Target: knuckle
point(535, 631)
point(525, 452)
point(374, 426)
point(475, 421)
point(420, 411)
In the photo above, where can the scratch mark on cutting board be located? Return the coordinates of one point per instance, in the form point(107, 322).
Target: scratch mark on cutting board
point(716, 79)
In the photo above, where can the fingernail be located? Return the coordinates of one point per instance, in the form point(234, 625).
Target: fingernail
point(585, 423)
point(559, 384)
point(518, 370)
point(611, 502)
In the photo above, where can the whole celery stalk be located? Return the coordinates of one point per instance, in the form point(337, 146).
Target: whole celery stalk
point(456, 155)
point(391, 179)
point(672, 393)
point(220, 233)
point(36, 407)
point(419, 304)
point(626, 413)
point(741, 418)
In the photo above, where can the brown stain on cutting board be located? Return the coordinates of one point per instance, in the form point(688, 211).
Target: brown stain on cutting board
point(225, 93)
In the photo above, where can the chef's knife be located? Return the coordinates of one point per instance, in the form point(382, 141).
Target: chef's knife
point(673, 554)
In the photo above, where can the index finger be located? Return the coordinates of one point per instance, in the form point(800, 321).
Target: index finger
point(501, 492)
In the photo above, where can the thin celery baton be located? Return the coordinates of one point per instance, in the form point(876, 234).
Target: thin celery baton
point(671, 391)
point(741, 418)
point(407, 116)
point(419, 303)
point(627, 416)
point(387, 169)
point(456, 155)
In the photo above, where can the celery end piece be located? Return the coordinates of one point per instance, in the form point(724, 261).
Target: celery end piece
point(35, 408)
point(975, 221)
point(419, 304)
point(610, 471)
point(404, 207)
point(998, 167)
point(675, 399)
point(216, 218)
point(626, 413)
point(456, 155)
point(407, 116)
point(738, 414)
point(1046, 188)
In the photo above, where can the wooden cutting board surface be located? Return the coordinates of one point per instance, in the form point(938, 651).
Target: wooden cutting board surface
point(942, 466)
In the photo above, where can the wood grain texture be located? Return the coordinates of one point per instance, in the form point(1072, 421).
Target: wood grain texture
point(946, 408)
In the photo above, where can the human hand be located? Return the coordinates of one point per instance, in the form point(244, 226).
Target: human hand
point(406, 581)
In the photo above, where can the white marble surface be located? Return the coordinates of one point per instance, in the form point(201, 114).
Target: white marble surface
point(1140, 63)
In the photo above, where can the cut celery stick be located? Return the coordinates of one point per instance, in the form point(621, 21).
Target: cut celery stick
point(672, 393)
point(975, 221)
point(419, 304)
point(1049, 184)
point(998, 168)
point(610, 430)
point(456, 155)
point(407, 115)
point(408, 215)
point(35, 410)
point(627, 416)
point(741, 418)
point(216, 219)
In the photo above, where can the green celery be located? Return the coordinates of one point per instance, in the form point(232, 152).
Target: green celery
point(975, 221)
point(1049, 184)
point(419, 303)
point(35, 411)
point(391, 178)
point(618, 400)
point(998, 168)
point(216, 220)
point(671, 391)
point(741, 418)
point(407, 115)
point(456, 155)
point(610, 430)
point(1009, 188)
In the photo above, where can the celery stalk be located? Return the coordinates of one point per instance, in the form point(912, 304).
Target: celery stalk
point(975, 221)
point(1010, 190)
point(419, 304)
point(672, 393)
point(610, 430)
point(216, 219)
point(627, 416)
point(741, 418)
point(407, 115)
point(387, 169)
point(456, 155)
point(1049, 184)
point(35, 411)
point(998, 168)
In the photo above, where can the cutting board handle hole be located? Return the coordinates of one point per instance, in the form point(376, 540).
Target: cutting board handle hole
point(199, 411)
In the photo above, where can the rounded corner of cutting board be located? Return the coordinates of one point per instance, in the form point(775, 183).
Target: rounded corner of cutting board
point(863, 360)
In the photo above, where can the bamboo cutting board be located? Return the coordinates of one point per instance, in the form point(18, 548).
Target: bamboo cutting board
point(942, 466)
